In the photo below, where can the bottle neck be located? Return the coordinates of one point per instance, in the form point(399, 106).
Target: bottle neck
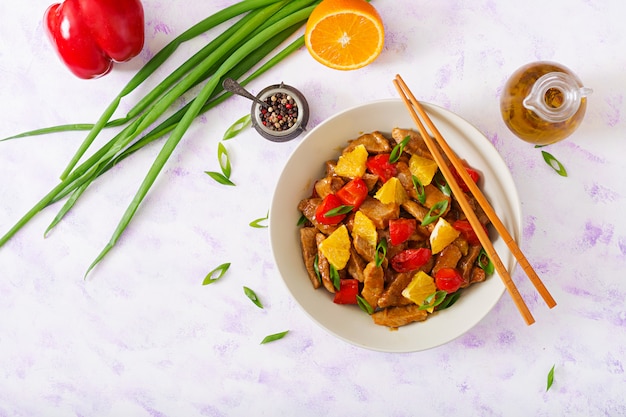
point(555, 97)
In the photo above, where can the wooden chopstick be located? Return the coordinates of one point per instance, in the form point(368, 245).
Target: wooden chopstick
point(412, 103)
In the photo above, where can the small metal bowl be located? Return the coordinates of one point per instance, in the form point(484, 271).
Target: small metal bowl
point(276, 135)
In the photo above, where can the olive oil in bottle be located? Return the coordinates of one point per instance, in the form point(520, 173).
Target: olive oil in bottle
point(543, 102)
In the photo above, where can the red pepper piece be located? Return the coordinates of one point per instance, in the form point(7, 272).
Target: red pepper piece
point(348, 290)
point(474, 175)
point(467, 231)
point(401, 229)
point(380, 165)
point(448, 280)
point(410, 259)
point(353, 193)
point(90, 35)
point(329, 202)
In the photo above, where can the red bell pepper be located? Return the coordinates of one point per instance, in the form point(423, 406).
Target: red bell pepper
point(474, 175)
point(401, 229)
point(331, 201)
point(353, 193)
point(348, 290)
point(380, 165)
point(90, 35)
point(467, 231)
point(448, 280)
point(410, 259)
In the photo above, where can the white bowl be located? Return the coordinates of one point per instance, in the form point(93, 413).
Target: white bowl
point(306, 165)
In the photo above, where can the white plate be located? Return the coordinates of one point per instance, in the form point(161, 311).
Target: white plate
point(306, 164)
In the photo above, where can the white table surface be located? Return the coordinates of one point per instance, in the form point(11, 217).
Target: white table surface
point(141, 336)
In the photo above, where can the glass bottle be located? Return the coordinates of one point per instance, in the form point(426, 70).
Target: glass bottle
point(543, 102)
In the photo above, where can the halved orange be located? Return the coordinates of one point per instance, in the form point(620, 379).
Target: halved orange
point(344, 34)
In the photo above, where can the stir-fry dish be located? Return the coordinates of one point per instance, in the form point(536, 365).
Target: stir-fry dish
point(382, 230)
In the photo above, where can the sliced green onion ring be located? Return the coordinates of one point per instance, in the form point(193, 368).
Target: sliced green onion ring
point(334, 277)
point(316, 268)
point(216, 273)
point(252, 296)
point(419, 189)
point(381, 252)
point(485, 263)
point(449, 300)
point(397, 150)
point(274, 337)
point(258, 223)
point(433, 300)
point(435, 212)
point(343, 209)
point(364, 305)
point(238, 127)
point(554, 163)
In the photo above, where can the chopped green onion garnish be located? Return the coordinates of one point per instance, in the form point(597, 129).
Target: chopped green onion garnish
point(238, 127)
point(274, 337)
point(397, 150)
point(216, 274)
point(252, 296)
point(316, 268)
point(554, 163)
point(224, 160)
point(433, 300)
point(334, 277)
point(302, 220)
point(550, 378)
point(338, 210)
point(449, 300)
point(484, 262)
point(419, 188)
point(441, 183)
point(219, 177)
point(364, 305)
point(381, 252)
point(257, 223)
point(435, 212)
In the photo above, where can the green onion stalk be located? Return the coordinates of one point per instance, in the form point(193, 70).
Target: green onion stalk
point(263, 26)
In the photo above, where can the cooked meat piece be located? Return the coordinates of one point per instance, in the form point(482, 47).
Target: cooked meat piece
point(478, 275)
point(480, 213)
point(323, 265)
point(416, 145)
point(466, 264)
point(309, 251)
point(392, 296)
point(415, 209)
point(370, 180)
point(308, 207)
point(395, 317)
point(328, 185)
point(379, 213)
point(373, 284)
point(330, 167)
point(447, 258)
point(364, 248)
point(356, 265)
point(374, 142)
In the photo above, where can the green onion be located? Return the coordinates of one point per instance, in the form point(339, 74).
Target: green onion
point(435, 212)
point(216, 274)
point(433, 300)
point(554, 163)
point(441, 183)
point(338, 211)
point(252, 296)
point(334, 277)
point(381, 252)
point(302, 220)
point(364, 305)
point(316, 268)
point(419, 189)
point(397, 150)
point(238, 127)
point(550, 378)
point(220, 178)
point(268, 24)
point(274, 337)
point(449, 300)
point(484, 262)
point(257, 223)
